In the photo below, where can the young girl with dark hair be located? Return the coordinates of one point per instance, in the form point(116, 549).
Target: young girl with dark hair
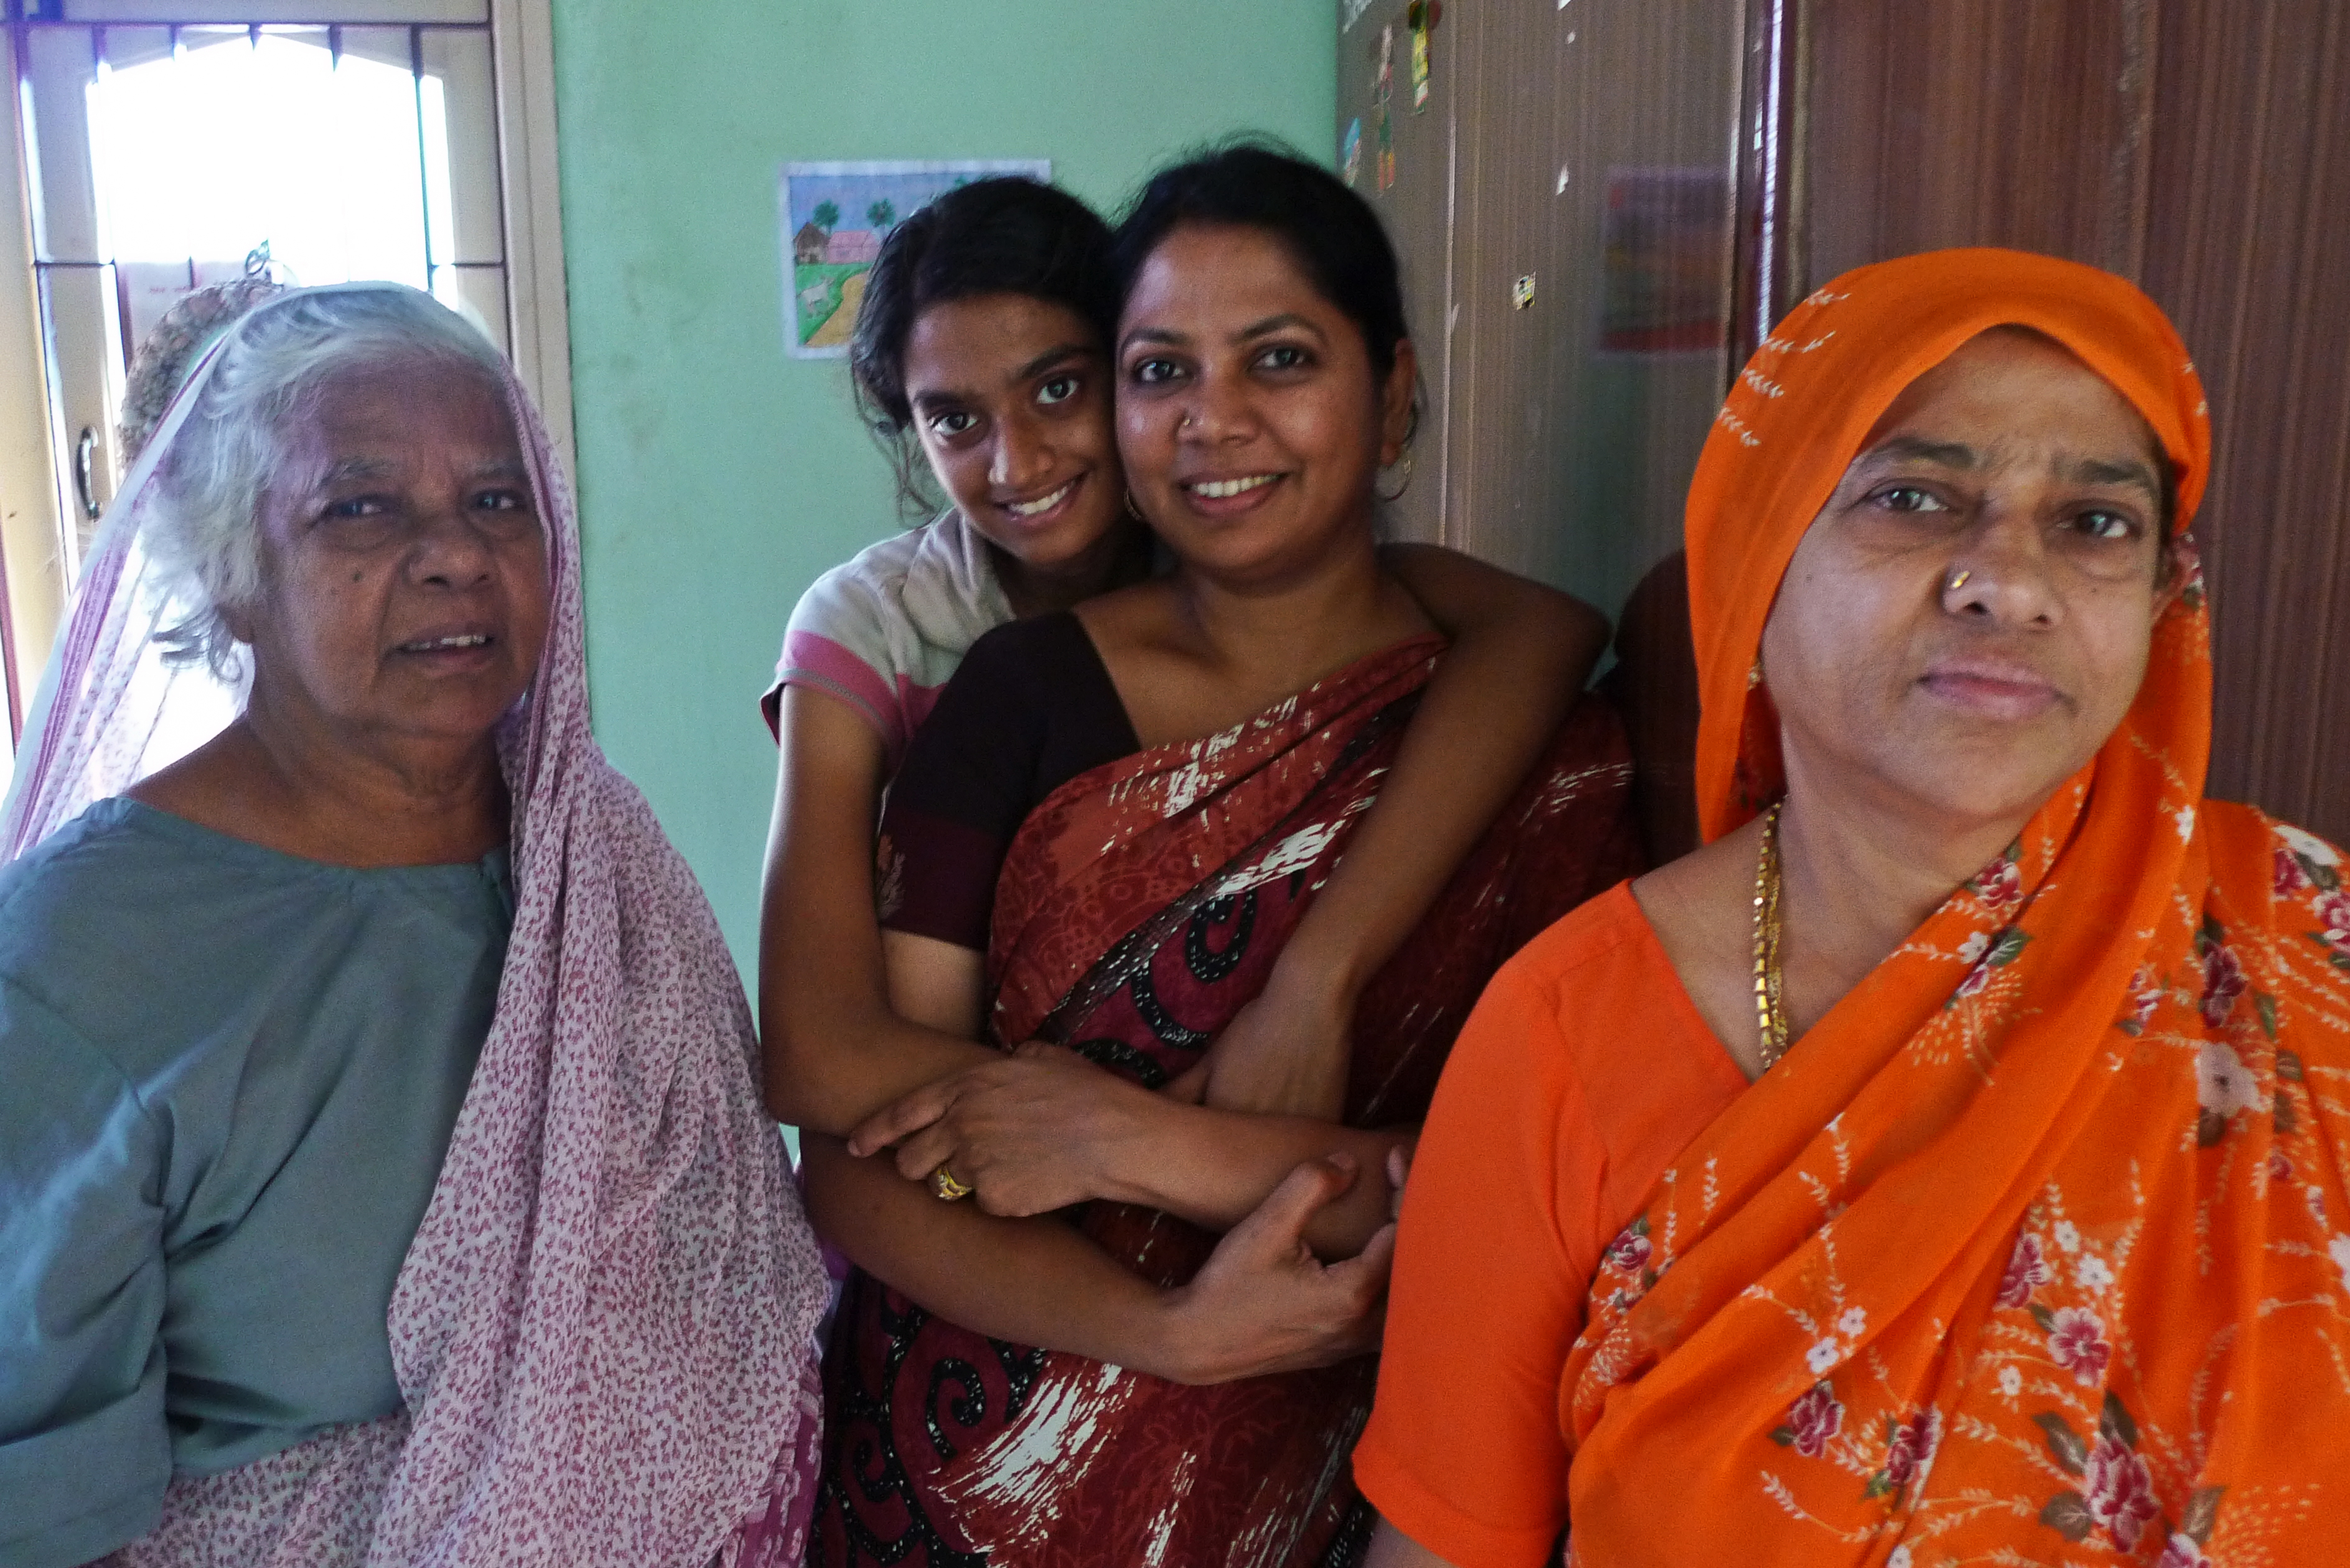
point(1112, 855)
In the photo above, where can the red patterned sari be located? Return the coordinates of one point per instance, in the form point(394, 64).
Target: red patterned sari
point(1141, 906)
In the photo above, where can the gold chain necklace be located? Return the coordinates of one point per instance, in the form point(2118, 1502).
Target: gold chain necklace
point(1770, 980)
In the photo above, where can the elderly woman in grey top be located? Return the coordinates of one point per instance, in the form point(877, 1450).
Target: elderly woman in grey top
point(381, 1172)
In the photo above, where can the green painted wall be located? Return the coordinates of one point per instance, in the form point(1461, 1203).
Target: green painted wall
point(718, 477)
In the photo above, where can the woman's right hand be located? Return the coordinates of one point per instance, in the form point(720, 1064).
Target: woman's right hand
point(1264, 1302)
point(1027, 1133)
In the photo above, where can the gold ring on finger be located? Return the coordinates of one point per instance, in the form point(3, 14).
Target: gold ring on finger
point(943, 1184)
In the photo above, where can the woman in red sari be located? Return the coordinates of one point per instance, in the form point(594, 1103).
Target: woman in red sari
point(1164, 778)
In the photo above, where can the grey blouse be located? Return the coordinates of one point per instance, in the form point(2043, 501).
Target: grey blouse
point(227, 1080)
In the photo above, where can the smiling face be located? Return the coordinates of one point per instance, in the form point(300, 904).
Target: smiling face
point(2015, 465)
point(1011, 401)
point(404, 593)
point(1251, 418)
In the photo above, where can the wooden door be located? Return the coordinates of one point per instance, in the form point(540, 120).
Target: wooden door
point(2248, 246)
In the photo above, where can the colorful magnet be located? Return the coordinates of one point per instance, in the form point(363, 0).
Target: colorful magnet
point(1422, 17)
point(1350, 151)
point(1522, 293)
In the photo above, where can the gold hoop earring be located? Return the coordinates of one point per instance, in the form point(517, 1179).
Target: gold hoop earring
point(1133, 510)
point(1404, 463)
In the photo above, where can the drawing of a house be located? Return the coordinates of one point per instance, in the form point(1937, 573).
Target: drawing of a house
point(849, 246)
point(835, 219)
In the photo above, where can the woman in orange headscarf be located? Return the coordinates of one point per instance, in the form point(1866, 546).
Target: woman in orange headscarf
point(2034, 1243)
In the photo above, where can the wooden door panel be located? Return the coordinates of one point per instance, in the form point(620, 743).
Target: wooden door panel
point(1977, 122)
point(2248, 248)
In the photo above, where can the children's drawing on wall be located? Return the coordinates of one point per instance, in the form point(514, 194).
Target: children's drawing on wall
point(1666, 238)
point(835, 217)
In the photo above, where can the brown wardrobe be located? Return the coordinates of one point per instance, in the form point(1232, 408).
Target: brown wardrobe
point(1600, 203)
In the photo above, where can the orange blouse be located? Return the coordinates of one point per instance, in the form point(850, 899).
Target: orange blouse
point(1584, 1071)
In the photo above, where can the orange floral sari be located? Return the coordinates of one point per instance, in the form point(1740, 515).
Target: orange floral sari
point(2037, 1248)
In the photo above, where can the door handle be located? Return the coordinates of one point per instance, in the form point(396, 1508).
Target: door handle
point(86, 473)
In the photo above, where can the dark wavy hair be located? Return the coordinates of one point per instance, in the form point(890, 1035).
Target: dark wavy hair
point(1003, 235)
point(1336, 239)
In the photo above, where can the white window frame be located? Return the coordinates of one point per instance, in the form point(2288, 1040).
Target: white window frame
point(522, 45)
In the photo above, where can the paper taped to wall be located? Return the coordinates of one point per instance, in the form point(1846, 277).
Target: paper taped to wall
point(835, 217)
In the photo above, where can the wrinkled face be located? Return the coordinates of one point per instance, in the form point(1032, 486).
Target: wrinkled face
point(1249, 417)
point(1011, 404)
point(404, 589)
point(2013, 463)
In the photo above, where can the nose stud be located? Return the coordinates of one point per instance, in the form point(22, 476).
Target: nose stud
point(1956, 580)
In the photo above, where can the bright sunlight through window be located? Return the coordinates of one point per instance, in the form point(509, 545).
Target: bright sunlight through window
point(233, 142)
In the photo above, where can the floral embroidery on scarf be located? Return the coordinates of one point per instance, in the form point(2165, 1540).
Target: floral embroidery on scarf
point(1629, 1253)
point(1997, 954)
point(2026, 1267)
point(2334, 926)
point(2223, 973)
point(1999, 885)
point(2121, 1492)
point(1811, 1420)
point(2147, 994)
point(2305, 861)
point(2223, 1088)
point(2116, 1491)
point(2076, 1342)
point(2183, 1551)
point(2227, 1070)
point(1910, 1447)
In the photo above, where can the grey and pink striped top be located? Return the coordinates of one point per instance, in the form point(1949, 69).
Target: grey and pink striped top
point(884, 631)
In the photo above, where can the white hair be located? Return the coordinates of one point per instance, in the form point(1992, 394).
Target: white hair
point(203, 528)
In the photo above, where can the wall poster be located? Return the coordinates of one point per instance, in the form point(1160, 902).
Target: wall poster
point(1665, 235)
point(835, 217)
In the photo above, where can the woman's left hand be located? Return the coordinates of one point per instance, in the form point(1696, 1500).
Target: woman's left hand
point(1037, 1131)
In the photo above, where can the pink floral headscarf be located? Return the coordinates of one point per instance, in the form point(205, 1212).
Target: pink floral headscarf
point(603, 1329)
